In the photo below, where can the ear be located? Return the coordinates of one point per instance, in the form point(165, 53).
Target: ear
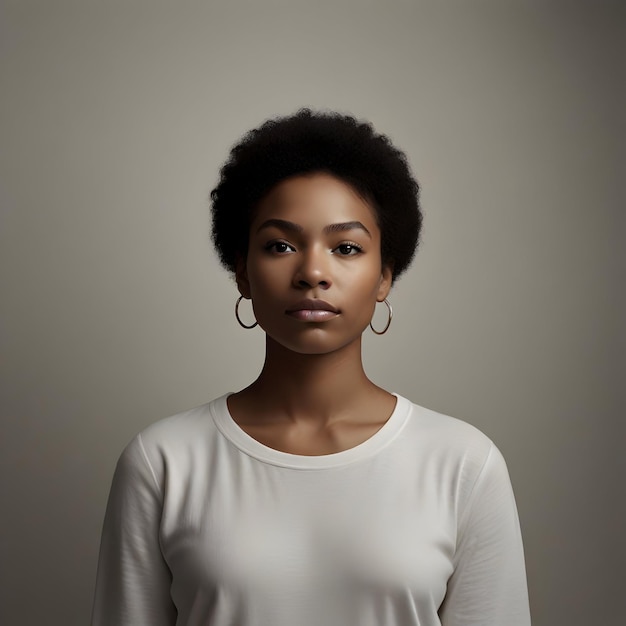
point(241, 277)
point(386, 280)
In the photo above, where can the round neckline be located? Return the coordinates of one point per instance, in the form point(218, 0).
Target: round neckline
point(254, 448)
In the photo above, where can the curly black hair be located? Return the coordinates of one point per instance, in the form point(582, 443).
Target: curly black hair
point(309, 142)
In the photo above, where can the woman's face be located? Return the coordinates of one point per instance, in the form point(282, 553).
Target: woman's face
point(313, 269)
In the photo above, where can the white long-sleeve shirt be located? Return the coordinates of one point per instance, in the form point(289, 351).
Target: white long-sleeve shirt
point(207, 526)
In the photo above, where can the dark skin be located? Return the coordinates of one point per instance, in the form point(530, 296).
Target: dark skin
point(313, 238)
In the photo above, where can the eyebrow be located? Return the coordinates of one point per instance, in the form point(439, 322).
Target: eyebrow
point(296, 228)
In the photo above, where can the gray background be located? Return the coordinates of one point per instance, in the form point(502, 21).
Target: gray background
point(115, 117)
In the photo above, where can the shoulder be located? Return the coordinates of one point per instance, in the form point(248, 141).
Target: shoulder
point(446, 435)
point(456, 452)
point(173, 442)
point(182, 428)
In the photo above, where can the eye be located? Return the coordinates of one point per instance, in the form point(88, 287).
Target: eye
point(348, 249)
point(279, 247)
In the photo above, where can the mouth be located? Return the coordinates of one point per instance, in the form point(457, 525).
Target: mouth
point(312, 310)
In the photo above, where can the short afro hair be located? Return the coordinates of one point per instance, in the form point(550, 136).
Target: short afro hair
point(309, 142)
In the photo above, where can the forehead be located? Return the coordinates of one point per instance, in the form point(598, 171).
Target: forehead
point(315, 199)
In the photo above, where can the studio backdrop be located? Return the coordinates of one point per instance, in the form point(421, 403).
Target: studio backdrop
point(115, 117)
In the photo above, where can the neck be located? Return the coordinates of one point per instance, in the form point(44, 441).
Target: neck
point(311, 386)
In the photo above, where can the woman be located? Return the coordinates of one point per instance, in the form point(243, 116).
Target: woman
point(312, 496)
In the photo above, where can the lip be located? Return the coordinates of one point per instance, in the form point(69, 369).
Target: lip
point(312, 310)
point(312, 304)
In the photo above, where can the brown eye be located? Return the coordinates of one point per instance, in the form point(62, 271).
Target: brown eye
point(280, 247)
point(348, 249)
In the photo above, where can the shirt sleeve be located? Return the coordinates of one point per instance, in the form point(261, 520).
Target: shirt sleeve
point(133, 580)
point(488, 586)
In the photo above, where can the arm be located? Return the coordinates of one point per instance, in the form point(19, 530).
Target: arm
point(133, 580)
point(488, 586)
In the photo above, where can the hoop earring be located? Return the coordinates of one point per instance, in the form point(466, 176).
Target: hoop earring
point(237, 314)
point(384, 330)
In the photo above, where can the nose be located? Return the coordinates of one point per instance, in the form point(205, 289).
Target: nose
point(313, 269)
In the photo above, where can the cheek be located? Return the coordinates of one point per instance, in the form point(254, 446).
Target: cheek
point(367, 283)
point(264, 281)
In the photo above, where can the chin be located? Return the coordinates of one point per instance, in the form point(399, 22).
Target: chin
point(314, 343)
